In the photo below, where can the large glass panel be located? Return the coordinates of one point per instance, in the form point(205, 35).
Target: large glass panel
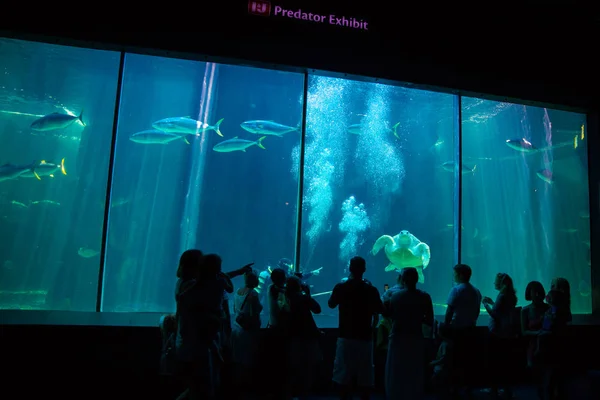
point(525, 197)
point(53, 175)
point(203, 160)
point(378, 176)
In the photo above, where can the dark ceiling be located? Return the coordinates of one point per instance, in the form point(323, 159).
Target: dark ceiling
point(542, 48)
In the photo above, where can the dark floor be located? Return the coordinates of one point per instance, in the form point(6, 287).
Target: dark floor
point(577, 392)
point(582, 388)
point(521, 393)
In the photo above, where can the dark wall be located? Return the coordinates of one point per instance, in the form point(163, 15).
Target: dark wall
point(523, 51)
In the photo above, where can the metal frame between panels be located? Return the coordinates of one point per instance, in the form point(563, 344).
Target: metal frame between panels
point(593, 148)
point(111, 166)
point(458, 178)
point(299, 203)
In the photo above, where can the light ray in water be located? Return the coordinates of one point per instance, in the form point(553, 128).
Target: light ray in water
point(548, 130)
point(189, 224)
point(21, 114)
point(546, 204)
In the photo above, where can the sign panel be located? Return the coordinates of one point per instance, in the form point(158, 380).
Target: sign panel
point(266, 9)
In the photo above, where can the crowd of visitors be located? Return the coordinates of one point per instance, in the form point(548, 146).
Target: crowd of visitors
point(202, 340)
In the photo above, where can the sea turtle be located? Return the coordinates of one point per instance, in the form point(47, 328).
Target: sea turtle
point(404, 250)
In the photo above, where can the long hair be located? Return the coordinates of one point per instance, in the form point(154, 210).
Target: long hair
point(506, 284)
point(189, 264)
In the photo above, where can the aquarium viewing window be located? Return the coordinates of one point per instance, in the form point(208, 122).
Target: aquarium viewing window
point(114, 163)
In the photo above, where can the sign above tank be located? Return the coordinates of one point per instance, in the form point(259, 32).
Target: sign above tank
point(266, 9)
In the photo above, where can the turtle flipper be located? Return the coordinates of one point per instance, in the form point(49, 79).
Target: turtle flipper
point(425, 254)
point(390, 267)
point(421, 276)
point(381, 242)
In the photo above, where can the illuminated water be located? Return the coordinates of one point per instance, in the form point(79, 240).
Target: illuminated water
point(374, 159)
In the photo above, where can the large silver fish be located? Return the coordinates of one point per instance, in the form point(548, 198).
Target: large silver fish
point(186, 126)
point(261, 127)
point(55, 121)
point(237, 144)
point(525, 146)
point(154, 136)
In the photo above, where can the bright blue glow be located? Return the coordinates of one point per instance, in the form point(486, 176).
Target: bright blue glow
point(354, 222)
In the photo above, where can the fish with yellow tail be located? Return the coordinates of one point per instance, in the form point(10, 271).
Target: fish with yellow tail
point(154, 136)
point(268, 128)
point(43, 168)
point(579, 137)
point(237, 144)
point(186, 126)
point(525, 146)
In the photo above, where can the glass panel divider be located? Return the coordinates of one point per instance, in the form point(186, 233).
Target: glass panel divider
point(111, 164)
point(301, 176)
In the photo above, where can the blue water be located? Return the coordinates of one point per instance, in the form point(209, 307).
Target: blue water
point(374, 166)
point(45, 222)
